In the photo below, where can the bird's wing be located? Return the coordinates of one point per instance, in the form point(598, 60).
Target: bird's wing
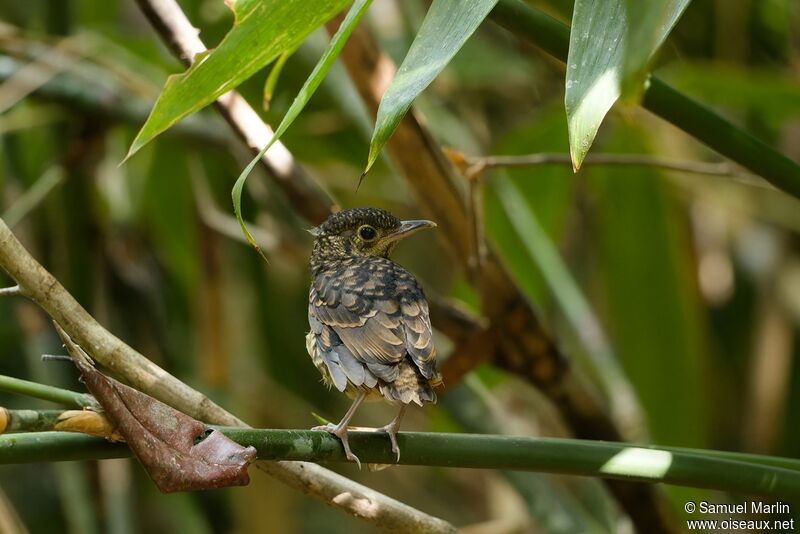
point(379, 314)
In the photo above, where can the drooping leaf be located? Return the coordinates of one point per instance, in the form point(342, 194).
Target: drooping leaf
point(262, 30)
point(600, 58)
point(178, 452)
point(446, 28)
point(349, 23)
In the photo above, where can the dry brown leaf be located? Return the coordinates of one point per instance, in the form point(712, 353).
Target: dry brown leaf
point(178, 452)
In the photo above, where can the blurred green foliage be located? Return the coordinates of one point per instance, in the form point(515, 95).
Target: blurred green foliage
point(694, 279)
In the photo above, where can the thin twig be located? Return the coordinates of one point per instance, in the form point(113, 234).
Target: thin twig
point(12, 291)
point(56, 358)
point(474, 212)
point(49, 393)
point(479, 164)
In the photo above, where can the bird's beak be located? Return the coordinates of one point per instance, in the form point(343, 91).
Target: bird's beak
point(409, 227)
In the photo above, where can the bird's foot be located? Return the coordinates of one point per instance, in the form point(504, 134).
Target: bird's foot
point(391, 429)
point(341, 433)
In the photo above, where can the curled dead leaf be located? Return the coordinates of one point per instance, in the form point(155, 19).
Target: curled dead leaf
point(178, 452)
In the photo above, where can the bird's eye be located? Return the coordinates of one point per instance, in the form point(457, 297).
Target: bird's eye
point(367, 233)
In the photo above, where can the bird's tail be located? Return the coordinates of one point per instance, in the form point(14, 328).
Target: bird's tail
point(411, 386)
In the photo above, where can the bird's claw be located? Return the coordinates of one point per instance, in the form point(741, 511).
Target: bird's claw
point(392, 431)
point(341, 433)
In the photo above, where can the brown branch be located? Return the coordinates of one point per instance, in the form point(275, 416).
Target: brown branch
point(476, 342)
point(182, 38)
point(39, 285)
point(523, 347)
point(476, 165)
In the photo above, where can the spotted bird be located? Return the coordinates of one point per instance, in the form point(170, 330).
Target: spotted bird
point(370, 329)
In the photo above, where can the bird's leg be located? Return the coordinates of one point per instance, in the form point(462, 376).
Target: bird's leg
point(340, 430)
point(392, 429)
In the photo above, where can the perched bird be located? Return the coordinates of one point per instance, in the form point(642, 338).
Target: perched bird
point(370, 330)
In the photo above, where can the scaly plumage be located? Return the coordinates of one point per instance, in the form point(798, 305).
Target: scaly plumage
point(370, 334)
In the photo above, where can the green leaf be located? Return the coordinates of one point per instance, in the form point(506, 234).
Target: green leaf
point(644, 264)
point(548, 191)
point(262, 30)
point(649, 23)
point(349, 23)
point(272, 79)
point(599, 59)
point(446, 28)
point(572, 303)
point(321, 420)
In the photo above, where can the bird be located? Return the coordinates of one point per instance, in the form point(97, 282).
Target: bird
point(370, 331)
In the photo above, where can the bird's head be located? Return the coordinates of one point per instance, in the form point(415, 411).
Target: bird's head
point(362, 232)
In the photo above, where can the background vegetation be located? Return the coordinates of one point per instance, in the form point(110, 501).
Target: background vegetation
point(685, 286)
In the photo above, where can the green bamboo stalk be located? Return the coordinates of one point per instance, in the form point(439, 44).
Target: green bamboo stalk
point(671, 105)
point(35, 447)
point(696, 468)
point(48, 393)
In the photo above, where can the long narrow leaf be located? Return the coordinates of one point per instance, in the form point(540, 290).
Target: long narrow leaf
point(570, 299)
point(263, 30)
point(603, 48)
point(349, 23)
point(642, 255)
point(446, 28)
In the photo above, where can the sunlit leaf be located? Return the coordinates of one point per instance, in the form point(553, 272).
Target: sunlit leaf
point(599, 59)
point(263, 30)
point(349, 23)
point(446, 28)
